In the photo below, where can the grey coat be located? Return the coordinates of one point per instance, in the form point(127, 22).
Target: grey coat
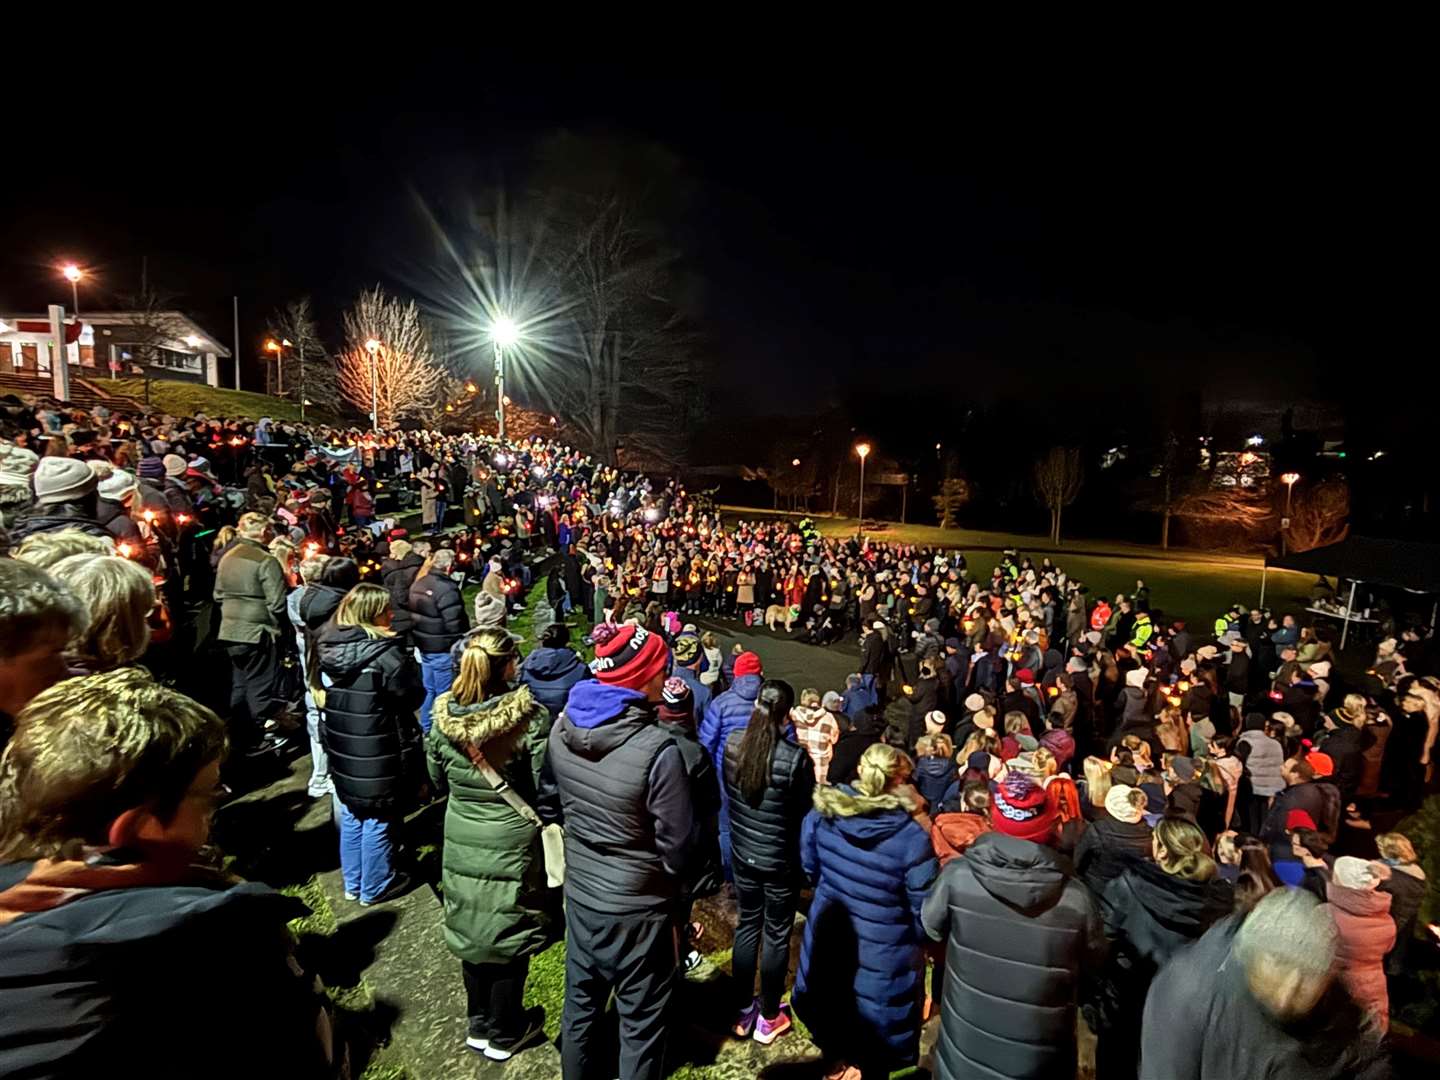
point(250, 589)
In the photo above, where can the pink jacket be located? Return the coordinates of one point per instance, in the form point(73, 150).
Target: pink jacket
point(1367, 933)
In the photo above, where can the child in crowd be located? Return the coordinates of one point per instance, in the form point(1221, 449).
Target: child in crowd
point(935, 775)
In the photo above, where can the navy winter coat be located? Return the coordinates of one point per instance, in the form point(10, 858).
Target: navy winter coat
point(934, 777)
point(728, 713)
point(550, 673)
point(859, 983)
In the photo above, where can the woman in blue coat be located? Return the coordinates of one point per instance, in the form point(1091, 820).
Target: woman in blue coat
point(552, 669)
point(860, 980)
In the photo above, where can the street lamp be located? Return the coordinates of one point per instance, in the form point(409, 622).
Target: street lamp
point(1288, 479)
point(504, 333)
point(73, 274)
point(863, 449)
point(373, 347)
point(278, 348)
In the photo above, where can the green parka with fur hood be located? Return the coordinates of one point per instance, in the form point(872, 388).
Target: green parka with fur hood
point(497, 904)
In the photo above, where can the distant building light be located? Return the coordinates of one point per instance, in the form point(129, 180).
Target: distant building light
point(1255, 440)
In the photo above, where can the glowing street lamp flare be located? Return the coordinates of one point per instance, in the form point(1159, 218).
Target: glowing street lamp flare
point(1289, 478)
point(72, 273)
point(863, 449)
point(504, 332)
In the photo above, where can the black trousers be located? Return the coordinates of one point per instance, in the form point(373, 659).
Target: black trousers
point(495, 1000)
point(636, 956)
point(254, 686)
point(767, 913)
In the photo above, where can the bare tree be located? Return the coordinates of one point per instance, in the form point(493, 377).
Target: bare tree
point(791, 473)
point(408, 378)
point(153, 324)
point(308, 369)
point(1059, 476)
point(1226, 517)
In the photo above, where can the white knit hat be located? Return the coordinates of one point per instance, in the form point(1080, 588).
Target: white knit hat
point(117, 485)
point(60, 479)
point(1353, 873)
point(1136, 678)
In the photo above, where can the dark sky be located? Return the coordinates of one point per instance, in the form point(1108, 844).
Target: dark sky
point(852, 229)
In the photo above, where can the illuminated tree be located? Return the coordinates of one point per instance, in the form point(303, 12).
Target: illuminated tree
point(1319, 516)
point(1059, 475)
point(954, 495)
point(409, 380)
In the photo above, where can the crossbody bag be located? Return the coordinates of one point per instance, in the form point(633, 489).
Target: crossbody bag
point(552, 837)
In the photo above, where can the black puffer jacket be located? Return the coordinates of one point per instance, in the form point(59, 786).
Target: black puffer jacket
point(704, 874)
point(118, 523)
point(109, 977)
point(398, 575)
point(1021, 931)
point(368, 724)
point(1149, 916)
point(53, 517)
point(765, 836)
point(438, 613)
point(1108, 847)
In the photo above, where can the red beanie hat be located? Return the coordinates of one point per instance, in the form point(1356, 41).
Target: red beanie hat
point(1026, 676)
point(1019, 808)
point(1321, 762)
point(1299, 819)
point(748, 663)
point(627, 655)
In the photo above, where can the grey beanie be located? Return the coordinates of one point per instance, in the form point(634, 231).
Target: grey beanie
point(60, 479)
point(175, 465)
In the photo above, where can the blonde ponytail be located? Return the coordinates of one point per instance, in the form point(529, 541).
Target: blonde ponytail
point(881, 766)
point(482, 664)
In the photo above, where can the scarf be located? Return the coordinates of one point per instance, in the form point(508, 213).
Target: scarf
point(51, 883)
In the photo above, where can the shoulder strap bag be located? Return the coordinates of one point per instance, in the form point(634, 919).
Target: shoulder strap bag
point(552, 837)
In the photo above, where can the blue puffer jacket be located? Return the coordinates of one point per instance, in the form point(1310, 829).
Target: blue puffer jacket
point(934, 778)
point(859, 983)
point(728, 713)
point(550, 673)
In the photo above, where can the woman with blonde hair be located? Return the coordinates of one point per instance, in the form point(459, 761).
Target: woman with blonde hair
point(369, 689)
point(1151, 910)
point(44, 550)
point(1097, 786)
point(1406, 886)
point(120, 595)
point(485, 752)
point(858, 984)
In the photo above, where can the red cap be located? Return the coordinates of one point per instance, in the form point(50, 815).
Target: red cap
point(1299, 819)
point(1321, 762)
point(1026, 676)
point(627, 655)
point(748, 663)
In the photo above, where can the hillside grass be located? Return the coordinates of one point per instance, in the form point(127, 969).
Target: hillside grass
point(186, 399)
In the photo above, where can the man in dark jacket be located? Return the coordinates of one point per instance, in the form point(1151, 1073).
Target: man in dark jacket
point(1259, 998)
point(1307, 792)
point(629, 824)
point(102, 954)
point(438, 613)
point(64, 499)
point(727, 714)
point(250, 589)
point(398, 572)
point(1021, 934)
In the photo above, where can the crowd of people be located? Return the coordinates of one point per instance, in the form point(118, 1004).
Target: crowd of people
point(1056, 804)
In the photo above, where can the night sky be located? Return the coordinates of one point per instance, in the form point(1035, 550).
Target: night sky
point(844, 233)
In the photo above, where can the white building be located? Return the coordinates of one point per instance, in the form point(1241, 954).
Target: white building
point(162, 345)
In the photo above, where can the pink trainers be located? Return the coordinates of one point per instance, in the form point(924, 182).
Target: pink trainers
point(767, 1031)
point(745, 1022)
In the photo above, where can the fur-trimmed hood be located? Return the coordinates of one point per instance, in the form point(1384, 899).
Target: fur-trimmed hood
point(843, 801)
point(478, 724)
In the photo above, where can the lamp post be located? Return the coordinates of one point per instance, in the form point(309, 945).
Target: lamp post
point(1288, 479)
point(863, 449)
point(504, 333)
point(73, 274)
point(278, 348)
point(373, 348)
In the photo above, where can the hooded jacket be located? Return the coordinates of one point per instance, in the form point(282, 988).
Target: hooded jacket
point(1108, 847)
point(1366, 933)
point(1020, 934)
point(1149, 916)
point(626, 801)
point(367, 721)
point(937, 779)
point(111, 977)
point(118, 523)
point(1202, 1023)
point(498, 906)
point(437, 613)
point(953, 833)
point(727, 714)
point(765, 837)
point(398, 575)
point(1318, 798)
point(857, 986)
point(550, 673)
